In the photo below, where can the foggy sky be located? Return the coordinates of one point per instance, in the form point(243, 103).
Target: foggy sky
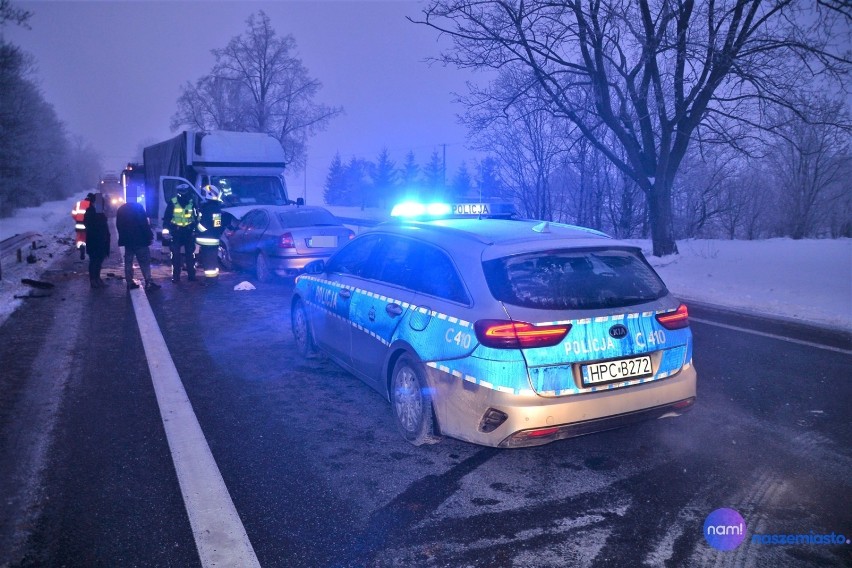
point(113, 71)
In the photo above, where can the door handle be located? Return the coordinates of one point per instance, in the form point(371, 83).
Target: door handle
point(393, 310)
point(344, 293)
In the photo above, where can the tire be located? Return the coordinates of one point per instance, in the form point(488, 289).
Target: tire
point(262, 268)
point(411, 402)
point(225, 257)
point(302, 333)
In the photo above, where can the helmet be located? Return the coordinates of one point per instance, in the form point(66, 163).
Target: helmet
point(182, 187)
point(211, 192)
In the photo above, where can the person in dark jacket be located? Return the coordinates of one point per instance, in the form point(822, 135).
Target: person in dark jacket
point(136, 236)
point(97, 239)
point(208, 231)
point(180, 218)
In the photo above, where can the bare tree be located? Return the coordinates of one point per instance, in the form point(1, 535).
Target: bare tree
point(10, 13)
point(526, 139)
point(697, 193)
point(33, 146)
point(586, 188)
point(258, 84)
point(650, 75)
point(213, 103)
point(810, 162)
point(744, 200)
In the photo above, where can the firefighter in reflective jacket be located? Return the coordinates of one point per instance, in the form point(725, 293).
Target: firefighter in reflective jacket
point(180, 219)
point(77, 214)
point(208, 231)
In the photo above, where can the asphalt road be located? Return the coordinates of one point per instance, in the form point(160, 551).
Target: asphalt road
point(319, 477)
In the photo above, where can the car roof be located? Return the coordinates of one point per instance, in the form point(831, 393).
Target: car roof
point(239, 211)
point(289, 208)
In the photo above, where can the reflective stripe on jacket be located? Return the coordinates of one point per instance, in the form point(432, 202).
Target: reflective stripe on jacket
point(182, 217)
point(80, 210)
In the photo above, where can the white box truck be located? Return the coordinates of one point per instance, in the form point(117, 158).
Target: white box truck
point(247, 167)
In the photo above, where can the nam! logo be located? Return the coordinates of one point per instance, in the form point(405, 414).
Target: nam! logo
point(724, 529)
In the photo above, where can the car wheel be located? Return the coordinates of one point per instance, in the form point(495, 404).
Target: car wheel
point(262, 269)
point(302, 330)
point(412, 403)
point(225, 257)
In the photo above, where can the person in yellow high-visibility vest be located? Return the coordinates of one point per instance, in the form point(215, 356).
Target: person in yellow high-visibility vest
point(180, 219)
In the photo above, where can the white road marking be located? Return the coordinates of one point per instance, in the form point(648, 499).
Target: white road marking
point(219, 534)
point(773, 336)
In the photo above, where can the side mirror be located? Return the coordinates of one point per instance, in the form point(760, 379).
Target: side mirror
point(300, 201)
point(315, 267)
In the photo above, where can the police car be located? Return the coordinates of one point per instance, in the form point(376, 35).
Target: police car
point(499, 331)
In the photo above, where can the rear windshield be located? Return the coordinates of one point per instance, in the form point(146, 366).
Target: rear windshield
point(307, 218)
point(573, 280)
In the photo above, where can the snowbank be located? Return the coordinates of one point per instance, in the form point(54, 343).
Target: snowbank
point(809, 280)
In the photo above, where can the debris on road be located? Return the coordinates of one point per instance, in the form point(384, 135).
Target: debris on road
point(31, 295)
point(37, 283)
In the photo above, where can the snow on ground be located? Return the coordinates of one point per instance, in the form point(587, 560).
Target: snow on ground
point(56, 228)
point(807, 280)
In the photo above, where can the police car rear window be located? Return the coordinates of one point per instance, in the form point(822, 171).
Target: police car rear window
point(573, 280)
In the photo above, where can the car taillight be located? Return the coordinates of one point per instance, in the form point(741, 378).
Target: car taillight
point(502, 334)
point(675, 320)
point(286, 241)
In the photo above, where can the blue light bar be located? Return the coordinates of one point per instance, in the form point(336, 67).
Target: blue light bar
point(415, 209)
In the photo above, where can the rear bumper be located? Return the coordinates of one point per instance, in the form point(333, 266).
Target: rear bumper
point(289, 265)
point(532, 420)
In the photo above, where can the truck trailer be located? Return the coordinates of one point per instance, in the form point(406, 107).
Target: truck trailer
point(247, 167)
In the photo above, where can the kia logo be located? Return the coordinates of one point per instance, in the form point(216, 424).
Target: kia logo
point(618, 331)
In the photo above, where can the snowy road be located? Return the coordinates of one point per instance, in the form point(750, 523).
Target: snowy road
point(319, 477)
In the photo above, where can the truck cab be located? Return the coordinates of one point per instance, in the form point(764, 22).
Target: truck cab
point(247, 167)
point(113, 192)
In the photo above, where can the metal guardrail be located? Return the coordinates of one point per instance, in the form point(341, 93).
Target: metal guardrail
point(21, 241)
point(16, 245)
point(356, 224)
point(359, 222)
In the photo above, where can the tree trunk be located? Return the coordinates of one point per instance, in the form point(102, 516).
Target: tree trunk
point(660, 213)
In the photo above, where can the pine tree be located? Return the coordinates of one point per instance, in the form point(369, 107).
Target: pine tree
point(433, 175)
point(384, 181)
point(409, 178)
point(488, 181)
point(462, 184)
point(335, 182)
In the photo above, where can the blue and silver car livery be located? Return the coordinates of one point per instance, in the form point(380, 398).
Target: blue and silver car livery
point(500, 332)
